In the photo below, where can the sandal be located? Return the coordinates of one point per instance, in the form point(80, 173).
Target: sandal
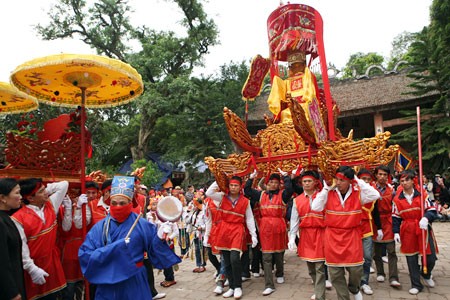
point(166, 283)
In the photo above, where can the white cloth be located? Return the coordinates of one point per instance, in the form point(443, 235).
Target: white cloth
point(67, 218)
point(423, 223)
point(397, 238)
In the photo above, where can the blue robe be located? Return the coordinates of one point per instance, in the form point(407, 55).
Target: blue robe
point(116, 267)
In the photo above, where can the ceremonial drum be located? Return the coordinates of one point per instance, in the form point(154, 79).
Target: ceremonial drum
point(169, 209)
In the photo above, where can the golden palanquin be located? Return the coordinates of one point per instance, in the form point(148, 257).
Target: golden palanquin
point(281, 146)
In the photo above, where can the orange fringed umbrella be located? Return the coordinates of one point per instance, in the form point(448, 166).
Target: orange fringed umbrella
point(13, 101)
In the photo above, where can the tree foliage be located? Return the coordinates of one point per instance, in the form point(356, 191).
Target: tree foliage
point(400, 49)
point(430, 62)
point(359, 62)
point(152, 175)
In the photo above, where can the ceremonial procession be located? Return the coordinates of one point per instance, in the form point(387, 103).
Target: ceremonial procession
point(125, 176)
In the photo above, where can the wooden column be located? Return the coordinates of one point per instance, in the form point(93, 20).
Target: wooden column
point(378, 122)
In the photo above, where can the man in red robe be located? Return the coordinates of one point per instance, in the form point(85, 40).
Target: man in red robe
point(272, 224)
point(408, 223)
point(343, 213)
point(231, 235)
point(386, 236)
point(37, 225)
point(100, 207)
point(312, 229)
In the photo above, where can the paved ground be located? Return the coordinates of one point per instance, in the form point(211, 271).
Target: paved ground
point(298, 284)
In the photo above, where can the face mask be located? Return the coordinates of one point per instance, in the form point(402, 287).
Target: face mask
point(120, 213)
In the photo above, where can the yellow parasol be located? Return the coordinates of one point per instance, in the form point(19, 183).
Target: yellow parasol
point(74, 80)
point(13, 101)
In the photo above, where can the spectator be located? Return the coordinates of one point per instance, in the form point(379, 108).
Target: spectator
point(12, 285)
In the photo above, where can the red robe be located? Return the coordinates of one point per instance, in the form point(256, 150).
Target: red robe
point(231, 230)
point(41, 239)
point(410, 232)
point(343, 247)
point(69, 242)
point(272, 227)
point(385, 210)
point(312, 230)
point(216, 217)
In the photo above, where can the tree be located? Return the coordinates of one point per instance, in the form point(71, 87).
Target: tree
point(152, 175)
point(359, 62)
point(165, 61)
point(400, 48)
point(430, 69)
point(201, 124)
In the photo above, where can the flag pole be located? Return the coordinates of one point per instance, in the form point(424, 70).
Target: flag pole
point(423, 231)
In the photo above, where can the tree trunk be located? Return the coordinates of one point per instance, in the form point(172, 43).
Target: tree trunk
point(141, 149)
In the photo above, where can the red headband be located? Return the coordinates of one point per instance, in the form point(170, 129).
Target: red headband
point(342, 176)
point(235, 181)
point(34, 191)
point(92, 189)
point(309, 177)
point(108, 188)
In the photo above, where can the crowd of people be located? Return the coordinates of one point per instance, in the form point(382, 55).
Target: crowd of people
point(107, 241)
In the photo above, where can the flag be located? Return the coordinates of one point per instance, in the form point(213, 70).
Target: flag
point(403, 160)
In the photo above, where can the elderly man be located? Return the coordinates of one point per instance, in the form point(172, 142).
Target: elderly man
point(112, 254)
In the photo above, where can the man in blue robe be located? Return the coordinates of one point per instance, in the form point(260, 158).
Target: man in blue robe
point(115, 263)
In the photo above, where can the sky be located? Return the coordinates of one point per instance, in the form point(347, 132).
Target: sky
point(350, 26)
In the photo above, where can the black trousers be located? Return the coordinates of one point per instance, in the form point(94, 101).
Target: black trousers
point(415, 271)
point(245, 261)
point(213, 259)
point(151, 277)
point(233, 268)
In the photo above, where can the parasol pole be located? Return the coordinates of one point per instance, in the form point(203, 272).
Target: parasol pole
point(82, 158)
point(422, 231)
point(83, 175)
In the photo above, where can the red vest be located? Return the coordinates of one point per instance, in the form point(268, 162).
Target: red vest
point(312, 224)
point(272, 225)
point(231, 231)
point(69, 242)
point(385, 209)
point(410, 232)
point(343, 247)
point(41, 239)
